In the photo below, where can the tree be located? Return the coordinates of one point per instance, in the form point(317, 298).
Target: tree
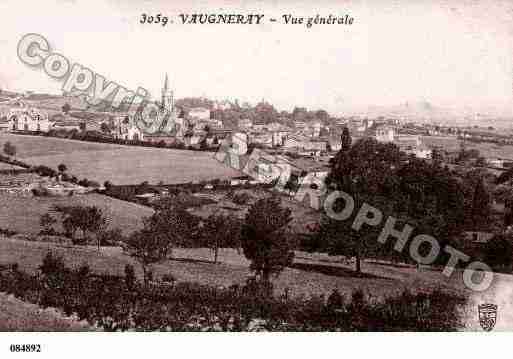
point(264, 238)
point(481, 205)
point(66, 108)
point(171, 225)
point(499, 251)
point(339, 238)
point(88, 219)
point(93, 222)
point(9, 149)
point(62, 168)
point(345, 138)
point(47, 222)
point(221, 232)
point(129, 276)
point(412, 190)
point(110, 237)
point(148, 247)
point(367, 168)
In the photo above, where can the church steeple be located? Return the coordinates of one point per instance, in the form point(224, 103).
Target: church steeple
point(167, 96)
point(166, 84)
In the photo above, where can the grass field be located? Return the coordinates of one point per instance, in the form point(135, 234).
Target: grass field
point(6, 166)
point(16, 315)
point(22, 214)
point(118, 164)
point(489, 150)
point(311, 274)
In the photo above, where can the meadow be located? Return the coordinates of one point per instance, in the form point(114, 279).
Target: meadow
point(118, 164)
point(489, 150)
point(307, 276)
point(22, 214)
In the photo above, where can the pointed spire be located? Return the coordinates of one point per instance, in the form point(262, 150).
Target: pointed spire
point(166, 83)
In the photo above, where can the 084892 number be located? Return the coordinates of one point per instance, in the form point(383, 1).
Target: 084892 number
point(25, 348)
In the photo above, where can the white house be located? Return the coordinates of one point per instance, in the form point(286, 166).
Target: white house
point(240, 142)
point(28, 119)
point(245, 124)
point(385, 134)
point(199, 113)
point(125, 129)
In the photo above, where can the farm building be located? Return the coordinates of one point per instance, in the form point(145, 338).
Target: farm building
point(28, 119)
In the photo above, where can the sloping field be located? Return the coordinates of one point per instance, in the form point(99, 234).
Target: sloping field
point(489, 150)
point(119, 164)
point(193, 265)
point(16, 315)
point(6, 166)
point(22, 214)
point(33, 146)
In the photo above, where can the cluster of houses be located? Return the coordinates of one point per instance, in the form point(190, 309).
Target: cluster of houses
point(24, 118)
point(198, 126)
point(410, 144)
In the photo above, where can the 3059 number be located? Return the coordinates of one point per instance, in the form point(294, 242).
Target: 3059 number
point(25, 348)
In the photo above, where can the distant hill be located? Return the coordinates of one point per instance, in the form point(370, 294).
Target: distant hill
point(424, 111)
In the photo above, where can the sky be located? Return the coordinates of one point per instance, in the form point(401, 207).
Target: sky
point(455, 53)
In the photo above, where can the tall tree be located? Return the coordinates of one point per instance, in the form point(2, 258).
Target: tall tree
point(264, 238)
point(88, 219)
point(346, 139)
point(221, 231)
point(47, 221)
point(149, 247)
point(66, 108)
point(481, 205)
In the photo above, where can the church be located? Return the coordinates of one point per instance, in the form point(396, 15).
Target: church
point(170, 125)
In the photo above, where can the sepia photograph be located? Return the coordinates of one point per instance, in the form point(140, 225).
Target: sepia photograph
point(255, 166)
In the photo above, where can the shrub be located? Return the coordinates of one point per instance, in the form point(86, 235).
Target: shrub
point(52, 264)
point(7, 232)
point(241, 198)
point(499, 251)
point(113, 304)
point(40, 192)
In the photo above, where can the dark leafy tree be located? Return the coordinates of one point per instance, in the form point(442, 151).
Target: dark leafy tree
point(130, 276)
point(264, 238)
point(66, 108)
point(88, 219)
point(220, 231)
point(345, 139)
point(481, 205)
point(47, 222)
point(149, 247)
point(499, 251)
point(62, 168)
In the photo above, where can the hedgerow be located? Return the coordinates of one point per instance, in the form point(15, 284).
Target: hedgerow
point(115, 303)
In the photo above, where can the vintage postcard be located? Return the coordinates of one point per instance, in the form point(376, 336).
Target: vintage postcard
point(255, 166)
